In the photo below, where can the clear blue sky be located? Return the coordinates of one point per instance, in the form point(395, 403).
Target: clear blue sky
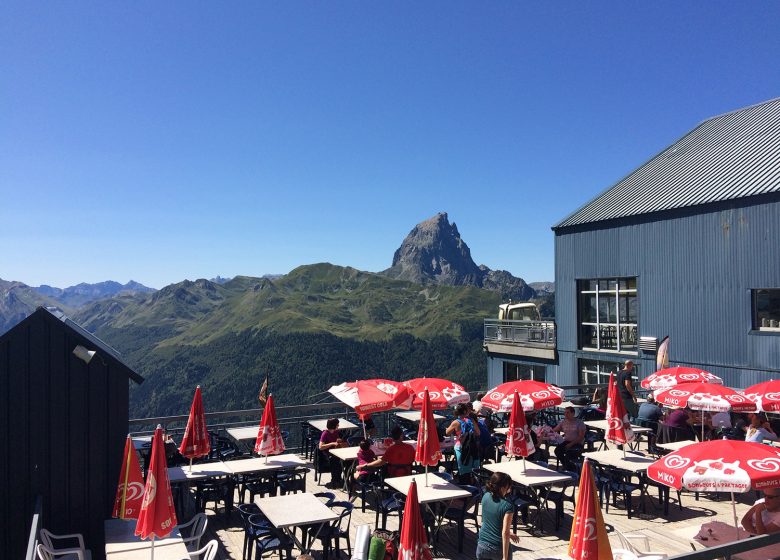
point(160, 141)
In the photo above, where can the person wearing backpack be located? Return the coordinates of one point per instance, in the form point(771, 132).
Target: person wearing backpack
point(466, 430)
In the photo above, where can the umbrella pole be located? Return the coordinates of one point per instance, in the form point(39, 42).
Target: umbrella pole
point(364, 429)
point(524, 463)
point(734, 509)
point(266, 459)
point(426, 475)
point(152, 548)
point(190, 464)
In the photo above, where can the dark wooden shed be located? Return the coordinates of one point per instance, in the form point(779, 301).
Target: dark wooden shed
point(63, 424)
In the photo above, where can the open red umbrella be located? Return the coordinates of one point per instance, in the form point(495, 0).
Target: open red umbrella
point(414, 543)
point(269, 436)
point(442, 392)
point(766, 395)
point(618, 426)
point(196, 442)
point(721, 465)
point(367, 396)
point(534, 395)
point(588, 533)
point(428, 451)
point(518, 439)
point(158, 516)
point(669, 377)
point(130, 490)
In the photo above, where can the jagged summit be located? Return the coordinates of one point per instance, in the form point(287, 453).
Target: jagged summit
point(435, 253)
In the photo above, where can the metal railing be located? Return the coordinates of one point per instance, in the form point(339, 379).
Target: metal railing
point(526, 333)
point(726, 551)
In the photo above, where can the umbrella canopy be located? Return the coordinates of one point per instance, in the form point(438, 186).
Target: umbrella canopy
point(705, 396)
point(130, 490)
point(157, 517)
point(618, 426)
point(669, 377)
point(588, 533)
point(518, 439)
point(372, 395)
point(414, 543)
point(721, 465)
point(534, 395)
point(269, 436)
point(428, 451)
point(766, 395)
point(442, 392)
point(196, 442)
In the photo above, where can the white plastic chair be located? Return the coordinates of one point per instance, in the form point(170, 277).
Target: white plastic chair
point(70, 552)
point(195, 528)
point(625, 543)
point(208, 552)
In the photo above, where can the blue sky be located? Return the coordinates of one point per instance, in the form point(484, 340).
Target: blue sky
point(160, 141)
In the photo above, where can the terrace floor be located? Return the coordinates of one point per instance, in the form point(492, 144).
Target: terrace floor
point(671, 534)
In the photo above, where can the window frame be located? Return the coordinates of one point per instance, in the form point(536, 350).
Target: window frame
point(756, 325)
point(583, 290)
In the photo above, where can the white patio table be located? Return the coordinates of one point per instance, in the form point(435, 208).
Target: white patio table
point(292, 510)
point(122, 544)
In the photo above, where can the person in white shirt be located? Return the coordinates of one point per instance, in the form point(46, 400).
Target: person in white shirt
point(764, 516)
point(759, 428)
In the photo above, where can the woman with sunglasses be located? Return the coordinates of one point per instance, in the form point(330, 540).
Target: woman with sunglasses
point(764, 516)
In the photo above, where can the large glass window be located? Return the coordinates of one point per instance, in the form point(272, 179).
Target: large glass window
point(608, 314)
point(596, 372)
point(766, 310)
point(514, 371)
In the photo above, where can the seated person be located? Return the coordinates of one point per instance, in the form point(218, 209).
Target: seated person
point(573, 436)
point(599, 400)
point(539, 454)
point(365, 455)
point(398, 457)
point(759, 428)
point(649, 413)
point(764, 516)
point(330, 439)
point(676, 426)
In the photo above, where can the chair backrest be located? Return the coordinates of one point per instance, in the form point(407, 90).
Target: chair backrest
point(71, 544)
point(330, 497)
point(345, 514)
point(199, 523)
point(44, 552)
point(625, 543)
point(208, 552)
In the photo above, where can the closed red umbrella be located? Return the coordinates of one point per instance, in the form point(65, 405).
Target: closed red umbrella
point(443, 393)
point(158, 516)
point(196, 442)
point(534, 395)
point(618, 426)
point(588, 537)
point(269, 436)
point(518, 439)
point(766, 395)
point(428, 450)
point(130, 490)
point(367, 396)
point(669, 377)
point(414, 543)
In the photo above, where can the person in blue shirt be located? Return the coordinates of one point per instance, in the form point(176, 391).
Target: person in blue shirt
point(494, 536)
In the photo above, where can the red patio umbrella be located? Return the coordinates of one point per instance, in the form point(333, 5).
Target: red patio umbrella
point(619, 429)
point(196, 442)
point(669, 377)
point(443, 393)
point(269, 436)
point(158, 516)
point(534, 395)
point(367, 396)
point(766, 395)
point(428, 451)
point(588, 533)
point(721, 465)
point(518, 439)
point(130, 490)
point(414, 543)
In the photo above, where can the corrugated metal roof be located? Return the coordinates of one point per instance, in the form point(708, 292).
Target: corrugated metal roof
point(730, 156)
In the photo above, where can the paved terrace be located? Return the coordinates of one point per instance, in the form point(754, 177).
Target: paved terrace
point(670, 534)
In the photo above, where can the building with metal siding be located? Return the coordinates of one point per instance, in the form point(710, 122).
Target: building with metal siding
point(63, 427)
point(689, 244)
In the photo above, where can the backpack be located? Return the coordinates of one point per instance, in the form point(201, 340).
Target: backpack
point(469, 442)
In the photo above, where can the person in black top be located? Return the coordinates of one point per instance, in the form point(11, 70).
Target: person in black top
point(625, 385)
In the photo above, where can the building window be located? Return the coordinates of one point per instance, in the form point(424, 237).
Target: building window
point(596, 372)
point(514, 371)
point(766, 310)
point(608, 314)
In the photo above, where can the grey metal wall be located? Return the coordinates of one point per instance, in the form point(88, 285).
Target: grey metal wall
point(62, 431)
point(695, 271)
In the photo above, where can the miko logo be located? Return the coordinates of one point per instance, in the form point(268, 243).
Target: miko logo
point(433, 395)
point(134, 490)
point(387, 388)
point(541, 395)
point(151, 490)
point(589, 528)
point(765, 465)
point(496, 396)
point(676, 462)
point(689, 376)
point(678, 393)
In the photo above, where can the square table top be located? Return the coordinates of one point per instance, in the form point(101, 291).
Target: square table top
point(199, 471)
point(122, 544)
point(414, 415)
point(632, 461)
point(438, 489)
point(258, 464)
point(603, 425)
point(291, 510)
point(321, 425)
point(243, 432)
point(529, 474)
point(675, 445)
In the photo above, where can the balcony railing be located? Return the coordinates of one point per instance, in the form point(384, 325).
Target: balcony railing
point(523, 333)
